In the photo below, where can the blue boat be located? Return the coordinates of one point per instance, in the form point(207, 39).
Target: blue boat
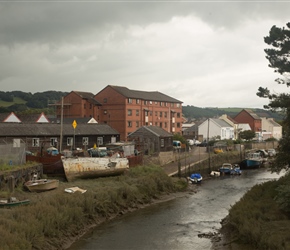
point(253, 160)
point(195, 178)
point(228, 168)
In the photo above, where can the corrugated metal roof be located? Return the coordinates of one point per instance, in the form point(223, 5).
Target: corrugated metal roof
point(144, 95)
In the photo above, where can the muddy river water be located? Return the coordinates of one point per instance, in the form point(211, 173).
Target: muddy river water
point(176, 224)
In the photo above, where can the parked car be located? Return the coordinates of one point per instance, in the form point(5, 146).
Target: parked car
point(271, 152)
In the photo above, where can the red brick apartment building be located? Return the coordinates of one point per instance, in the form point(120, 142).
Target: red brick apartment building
point(79, 104)
point(126, 110)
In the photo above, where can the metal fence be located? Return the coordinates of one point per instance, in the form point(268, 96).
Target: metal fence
point(12, 153)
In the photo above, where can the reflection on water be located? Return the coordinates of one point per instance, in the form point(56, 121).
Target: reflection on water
point(176, 224)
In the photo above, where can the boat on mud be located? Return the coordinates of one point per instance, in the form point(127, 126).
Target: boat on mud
point(195, 178)
point(252, 160)
point(41, 185)
point(50, 160)
point(12, 202)
point(228, 168)
point(93, 167)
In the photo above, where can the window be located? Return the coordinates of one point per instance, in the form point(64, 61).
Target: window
point(172, 105)
point(165, 114)
point(100, 141)
point(145, 102)
point(178, 105)
point(160, 114)
point(137, 101)
point(161, 103)
point(129, 124)
point(105, 112)
point(178, 115)
point(150, 113)
point(85, 141)
point(156, 113)
point(165, 124)
point(160, 125)
point(16, 143)
point(53, 142)
point(129, 112)
point(137, 112)
point(35, 142)
point(150, 102)
point(105, 100)
point(178, 125)
point(69, 141)
point(166, 104)
point(130, 100)
point(137, 124)
point(162, 143)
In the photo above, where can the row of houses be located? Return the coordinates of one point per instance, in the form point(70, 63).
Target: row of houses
point(117, 114)
point(226, 127)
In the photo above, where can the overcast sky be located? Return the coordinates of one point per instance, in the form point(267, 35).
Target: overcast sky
point(203, 53)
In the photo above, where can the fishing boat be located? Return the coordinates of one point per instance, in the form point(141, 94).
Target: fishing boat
point(252, 160)
point(92, 167)
point(41, 185)
point(12, 202)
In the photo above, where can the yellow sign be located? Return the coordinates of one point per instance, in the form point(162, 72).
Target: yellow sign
point(74, 124)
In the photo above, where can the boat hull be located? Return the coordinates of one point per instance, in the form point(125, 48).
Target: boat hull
point(4, 203)
point(52, 164)
point(92, 167)
point(250, 164)
point(41, 185)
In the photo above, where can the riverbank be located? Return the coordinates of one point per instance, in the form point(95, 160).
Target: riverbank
point(55, 219)
point(260, 220)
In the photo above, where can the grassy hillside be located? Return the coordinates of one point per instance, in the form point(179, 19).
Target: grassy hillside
point(16, 100)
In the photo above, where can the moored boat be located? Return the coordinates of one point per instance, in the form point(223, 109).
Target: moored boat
point(50, 160)
point(92, 167)
point(253, 160)
point(41, 185)
point(228, 168)
point(195, 178)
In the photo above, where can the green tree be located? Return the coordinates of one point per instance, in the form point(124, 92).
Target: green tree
point(247, 135)
point(278, 56)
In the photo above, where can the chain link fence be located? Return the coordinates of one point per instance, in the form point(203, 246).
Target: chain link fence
point(12, 153)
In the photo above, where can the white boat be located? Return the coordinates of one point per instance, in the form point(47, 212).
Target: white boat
point(92, 167)
point(41, 185)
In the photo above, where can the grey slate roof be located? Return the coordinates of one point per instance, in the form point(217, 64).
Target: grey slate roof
point(88, 96)
point(157, 131)
point(144, 95)
point(43, 129)
point(254, 115)
point(221, 123)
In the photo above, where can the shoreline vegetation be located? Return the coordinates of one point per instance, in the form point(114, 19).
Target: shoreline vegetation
point(55, 219)
point(260, 219)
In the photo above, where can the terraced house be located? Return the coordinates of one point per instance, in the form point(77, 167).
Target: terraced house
point(126, 110)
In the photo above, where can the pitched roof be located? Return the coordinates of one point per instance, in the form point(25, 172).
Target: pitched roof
point(221, 122)
point(157, 131)
point(87, 96)
point(144, 95)
point(251, 113)
point(44, 129)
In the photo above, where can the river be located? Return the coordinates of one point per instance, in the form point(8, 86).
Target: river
point(175, 224)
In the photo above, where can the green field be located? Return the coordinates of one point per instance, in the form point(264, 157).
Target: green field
point(16, 100)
